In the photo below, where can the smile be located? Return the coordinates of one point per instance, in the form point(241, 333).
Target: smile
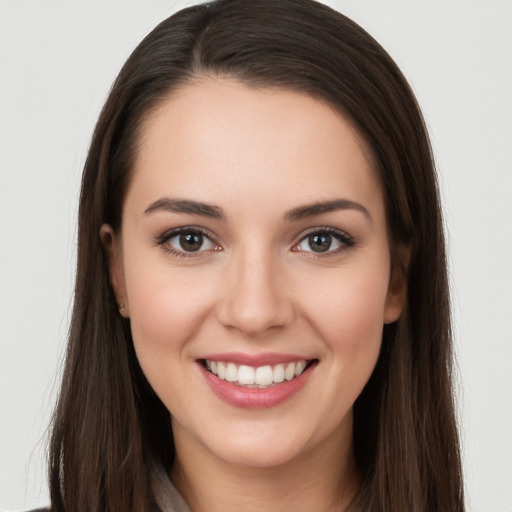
point(250, 383)
point(260, 377)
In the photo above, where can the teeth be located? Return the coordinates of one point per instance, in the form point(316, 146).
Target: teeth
point(261, 377)
point(231, 372)
point(221, 370)
point(299, 368)
point(264, 376)
point(245, 374)
point(289, 371)
point(278, 373)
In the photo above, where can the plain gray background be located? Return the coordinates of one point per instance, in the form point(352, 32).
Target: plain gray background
point(57, 61)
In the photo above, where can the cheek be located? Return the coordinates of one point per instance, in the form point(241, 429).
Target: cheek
point(166, 306)
point(349, 309)
point(166, 311)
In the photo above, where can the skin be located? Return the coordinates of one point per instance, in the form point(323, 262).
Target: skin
point(257, 287)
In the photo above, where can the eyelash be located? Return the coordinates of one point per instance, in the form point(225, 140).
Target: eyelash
point(343, 238)
point(169, 235)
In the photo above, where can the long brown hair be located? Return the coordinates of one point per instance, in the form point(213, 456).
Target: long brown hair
point(109, 425)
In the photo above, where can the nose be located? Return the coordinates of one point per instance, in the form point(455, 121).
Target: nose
point(255, 299)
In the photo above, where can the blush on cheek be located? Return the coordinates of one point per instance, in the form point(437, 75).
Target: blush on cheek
point(163, 318)
point(350, 310)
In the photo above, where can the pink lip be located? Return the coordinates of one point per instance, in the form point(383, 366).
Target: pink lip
point(255, 398)
point(255, 360)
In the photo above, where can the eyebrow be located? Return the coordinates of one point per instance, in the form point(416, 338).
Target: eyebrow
point(185, 206)
point(314, 209)
point(207, 210)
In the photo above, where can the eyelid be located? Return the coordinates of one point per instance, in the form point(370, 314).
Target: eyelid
point(347, 241)
point(171, 233)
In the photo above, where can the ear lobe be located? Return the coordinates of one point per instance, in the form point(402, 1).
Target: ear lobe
point(397, 290)
point(112, 246)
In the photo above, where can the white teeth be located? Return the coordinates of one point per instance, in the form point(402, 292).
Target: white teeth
point(261, 377)
point(278, 373)
point(299, 368)
point(245, 374)
point(221, 370)
point(289, 371)
point(231, 372)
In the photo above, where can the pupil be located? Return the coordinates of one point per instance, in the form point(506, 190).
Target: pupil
point(320, 243)
point(191, 241)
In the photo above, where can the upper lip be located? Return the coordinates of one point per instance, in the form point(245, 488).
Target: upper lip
point(255, 360)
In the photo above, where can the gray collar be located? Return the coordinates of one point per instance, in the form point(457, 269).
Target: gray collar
point(166, 495)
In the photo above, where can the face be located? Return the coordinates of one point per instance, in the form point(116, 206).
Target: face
point(254, 265)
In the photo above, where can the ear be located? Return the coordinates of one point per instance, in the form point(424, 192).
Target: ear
point(112, 245)
point(397, 290)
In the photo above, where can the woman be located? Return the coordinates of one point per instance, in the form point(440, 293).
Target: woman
point(261, 315)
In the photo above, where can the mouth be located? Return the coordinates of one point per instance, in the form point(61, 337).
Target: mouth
point(260, 377)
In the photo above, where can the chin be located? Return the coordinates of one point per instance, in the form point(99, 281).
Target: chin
point(260, 445)
point(255, 456)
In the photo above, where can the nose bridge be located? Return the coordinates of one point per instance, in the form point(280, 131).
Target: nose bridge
point(255, 299)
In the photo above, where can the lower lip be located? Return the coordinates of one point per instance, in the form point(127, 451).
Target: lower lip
point(256, 398)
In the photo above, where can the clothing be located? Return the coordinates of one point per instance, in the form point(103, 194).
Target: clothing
point(166, 495)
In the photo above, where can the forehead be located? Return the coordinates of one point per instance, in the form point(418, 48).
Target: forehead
point(219, 139)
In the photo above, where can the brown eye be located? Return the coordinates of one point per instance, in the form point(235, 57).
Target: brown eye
point(324, 241)
point(189, 241)
point(320, 242)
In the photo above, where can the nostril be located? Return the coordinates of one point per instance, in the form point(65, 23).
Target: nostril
point(254, 316)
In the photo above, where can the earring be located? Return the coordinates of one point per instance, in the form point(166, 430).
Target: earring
point(121, 307)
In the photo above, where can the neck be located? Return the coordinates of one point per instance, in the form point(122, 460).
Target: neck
point(323, 479)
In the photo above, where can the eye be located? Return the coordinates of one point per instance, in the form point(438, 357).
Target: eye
point(324, 241)
point(186, 242)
